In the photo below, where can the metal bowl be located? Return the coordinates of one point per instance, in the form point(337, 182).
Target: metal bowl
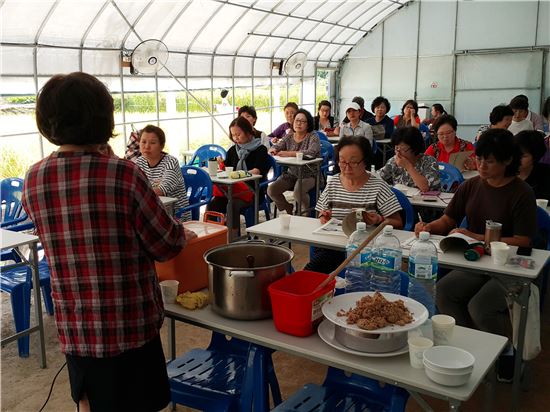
point(370, 342)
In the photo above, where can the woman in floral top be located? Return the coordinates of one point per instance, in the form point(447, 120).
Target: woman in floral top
point(410, 166)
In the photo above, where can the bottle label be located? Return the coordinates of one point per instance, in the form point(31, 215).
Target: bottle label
point(386, 259)
point(422, 267)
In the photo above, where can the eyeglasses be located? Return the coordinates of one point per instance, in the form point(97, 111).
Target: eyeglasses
point(400, 149)
point(300, 121)
point(349, 164)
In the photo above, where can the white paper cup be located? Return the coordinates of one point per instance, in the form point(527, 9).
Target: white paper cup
point(285, 220)
point(499, 253)
point(442, 326)
point(417, 346)
point(228, 169)
point(299, 156)
point(542, 203)
point(169, 289)
point(212, 167)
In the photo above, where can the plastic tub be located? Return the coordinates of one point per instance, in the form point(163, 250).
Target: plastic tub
point(296, 310)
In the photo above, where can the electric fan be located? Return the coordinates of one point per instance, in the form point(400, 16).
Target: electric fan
point(148, 57)
point(292, 66)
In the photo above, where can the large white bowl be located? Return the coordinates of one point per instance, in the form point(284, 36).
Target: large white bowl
point(449, 359)
point(447, 378)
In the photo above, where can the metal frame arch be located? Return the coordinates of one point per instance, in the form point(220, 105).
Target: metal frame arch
point(88, 29)
point(174, 21)
point(131, 26)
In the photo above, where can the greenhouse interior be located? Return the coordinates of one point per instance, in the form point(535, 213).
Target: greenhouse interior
point(423, 115)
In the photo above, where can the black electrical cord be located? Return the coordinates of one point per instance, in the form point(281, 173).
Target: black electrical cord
point(51, 387)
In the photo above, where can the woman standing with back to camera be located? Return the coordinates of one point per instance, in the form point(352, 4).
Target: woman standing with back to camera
point(102, 227)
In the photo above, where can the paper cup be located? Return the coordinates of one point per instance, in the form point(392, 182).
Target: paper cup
point(212, 167)
point(499, 253)
point(542, 203)
point(228, 169)
point(169, 289)
point(442, 326)
point(417, 346)
point(299, 156)
point(285, 220)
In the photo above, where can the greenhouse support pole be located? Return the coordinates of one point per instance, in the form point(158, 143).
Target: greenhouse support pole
point(157, 99)
point(122, 103)
point(417, 51)
point(453, 79)
point(381, 60)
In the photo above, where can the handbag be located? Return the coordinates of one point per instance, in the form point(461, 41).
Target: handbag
point(240, 191)
point(531, 346)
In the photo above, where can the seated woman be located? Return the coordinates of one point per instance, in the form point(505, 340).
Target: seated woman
point(535, 174)
point(302, 139)
point(476, 300)
point(249, 113)
point(283, 129)
point(354, 126)
point(409, 166)
point(449, 143)
point(436, 111)
point(247, 154)
point(162, 169)
point(324, 122)
point(382, 125)
point(500, 118)
point(350, 188)
point(408, 116)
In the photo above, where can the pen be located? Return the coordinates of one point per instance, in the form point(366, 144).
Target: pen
point(420, 218)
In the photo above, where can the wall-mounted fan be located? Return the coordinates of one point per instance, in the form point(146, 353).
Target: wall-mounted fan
point(292, 66)
point(148, 57)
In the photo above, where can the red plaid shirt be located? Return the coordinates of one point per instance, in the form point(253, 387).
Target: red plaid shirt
point(102, 227)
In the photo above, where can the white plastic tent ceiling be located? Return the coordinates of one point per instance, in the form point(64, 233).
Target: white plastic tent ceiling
point(206, 38)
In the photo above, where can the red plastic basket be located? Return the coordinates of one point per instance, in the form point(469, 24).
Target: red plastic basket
point(296, 310)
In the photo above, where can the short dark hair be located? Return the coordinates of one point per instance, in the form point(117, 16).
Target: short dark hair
point(445, 119)
point(360, 101)
point(532, 142)
point(309, 118)
point(359, 141)
point(500, 143)
point(412, 102)
point(546, 108)
point(519, 103)
point(224, 93)
point(324, 103)
point(75, 108)
point(378, 101)
point(291, 105)
point(439, 107)
point(248, 109)
point(157, 131)
point(499, 113)
point(411, 136)
point(243, 124)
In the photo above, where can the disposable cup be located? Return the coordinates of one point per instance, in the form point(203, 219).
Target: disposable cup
point(228, 169)
point(285, 220)
point(499, 253)
point(417, 346)
point(542, 203)
point(299, 156)
point(169, 289)
point(443, 327)
point(212, 167)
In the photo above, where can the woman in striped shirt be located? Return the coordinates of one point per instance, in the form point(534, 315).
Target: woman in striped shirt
point(352, 188)
point(162, 169)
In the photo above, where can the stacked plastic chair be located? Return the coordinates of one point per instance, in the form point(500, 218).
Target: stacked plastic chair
point(450, 177)
point(203, 153)
point(230, 375)
point(408, 224)
point(199, 190)
point(11, 190)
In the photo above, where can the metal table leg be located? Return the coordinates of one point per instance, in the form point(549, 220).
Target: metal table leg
point(229, 220)
point(299, 200)
point(523, 300)
point(172, 338)
point(38, 302)
point(256, 201)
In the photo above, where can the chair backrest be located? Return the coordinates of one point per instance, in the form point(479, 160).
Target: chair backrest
point(208, 151)
point(408, 224)
point(543, 225)
point(327, 153)
point(277, 170)
point(450, 177)
point(425, 131)
point(11, 190)
point(323, 137)
point(374, 146)
point(198, 185)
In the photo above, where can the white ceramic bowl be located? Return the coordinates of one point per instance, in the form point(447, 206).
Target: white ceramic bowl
point(446, 378)
point(449, 359)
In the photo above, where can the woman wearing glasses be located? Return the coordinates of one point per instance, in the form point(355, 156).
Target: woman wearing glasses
point(409, 166)
point(302, 139)
point(352, 187)
point(449, 143)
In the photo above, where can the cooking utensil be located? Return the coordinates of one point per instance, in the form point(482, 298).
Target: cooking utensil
point(350, 257)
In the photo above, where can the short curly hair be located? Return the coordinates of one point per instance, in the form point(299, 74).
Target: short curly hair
point(378, 101)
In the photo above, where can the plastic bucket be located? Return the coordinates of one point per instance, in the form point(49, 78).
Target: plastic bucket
point(296, 310)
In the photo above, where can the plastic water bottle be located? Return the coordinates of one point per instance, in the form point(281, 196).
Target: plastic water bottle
point(357, 271)
point(423, 271)
point(386, 260)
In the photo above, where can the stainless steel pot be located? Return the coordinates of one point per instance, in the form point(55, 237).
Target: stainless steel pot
point(238, 277)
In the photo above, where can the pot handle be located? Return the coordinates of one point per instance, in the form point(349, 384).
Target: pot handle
point(242, 273)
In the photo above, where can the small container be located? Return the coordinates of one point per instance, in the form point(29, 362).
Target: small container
point(493, 231)
point(296, 309)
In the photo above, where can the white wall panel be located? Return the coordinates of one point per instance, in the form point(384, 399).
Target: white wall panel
point(546, 90)
point(262, 67)
point(223, 66)
point(16, 60)
point(400, 32)
point(50, 60)
point(543, 31)
point(398, 78)
point(369, 46)
point(177, 63)
point(483, 25)
point(366, 78)
point(12, 15)
point(437, 19)
point(434, 78)
point(199, 65)
point(101, 62)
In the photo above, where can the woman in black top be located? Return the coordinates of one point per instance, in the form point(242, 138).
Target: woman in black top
point(535, 174)
point(324, 122)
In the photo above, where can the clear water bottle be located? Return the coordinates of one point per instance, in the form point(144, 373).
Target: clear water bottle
point(423, 271)
point(386, 260)
point(357, 271)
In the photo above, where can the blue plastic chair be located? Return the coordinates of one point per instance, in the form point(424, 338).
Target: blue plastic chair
point(322, 136)
point(543, 226)
point(408, 224)
point(425, 131)
point(199, 190)
point(450, 177)
point(11, 190)
point(327, 153)
point(229, 375)
point(264, 201)
point(17, 281)
point(203, 153)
